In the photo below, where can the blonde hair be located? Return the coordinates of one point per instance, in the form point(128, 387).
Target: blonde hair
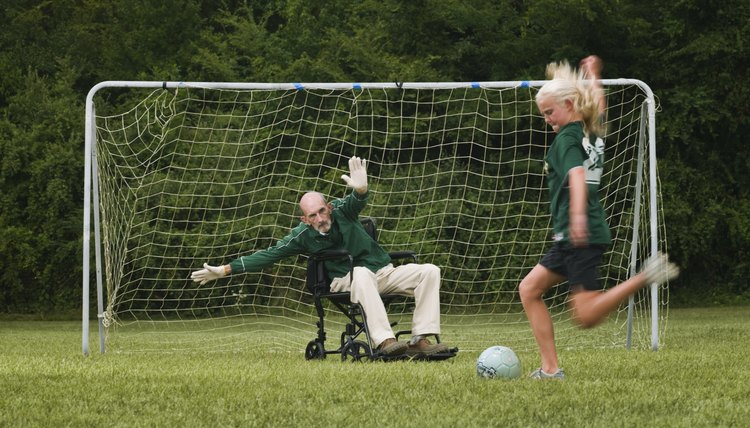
point(568, 84)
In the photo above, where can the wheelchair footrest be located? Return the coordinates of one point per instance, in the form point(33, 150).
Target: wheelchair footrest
point(439, 356)
point(382, 357)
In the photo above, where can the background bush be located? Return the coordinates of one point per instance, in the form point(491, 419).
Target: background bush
point(692, 53)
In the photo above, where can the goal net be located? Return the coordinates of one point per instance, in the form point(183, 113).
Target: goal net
point(187, 173)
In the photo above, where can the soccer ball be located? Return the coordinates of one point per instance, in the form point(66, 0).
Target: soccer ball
point(498, 362)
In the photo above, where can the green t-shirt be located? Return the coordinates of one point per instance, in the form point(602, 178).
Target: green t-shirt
point(572, 149)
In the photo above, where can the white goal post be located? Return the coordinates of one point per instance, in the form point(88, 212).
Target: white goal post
point(181, 173)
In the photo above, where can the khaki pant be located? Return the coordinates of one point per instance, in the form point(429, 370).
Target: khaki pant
point(422, 281)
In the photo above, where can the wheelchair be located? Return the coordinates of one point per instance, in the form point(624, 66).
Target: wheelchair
point(354, 341)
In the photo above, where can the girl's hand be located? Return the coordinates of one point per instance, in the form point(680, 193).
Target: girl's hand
point(592, 65)
point(578, 230)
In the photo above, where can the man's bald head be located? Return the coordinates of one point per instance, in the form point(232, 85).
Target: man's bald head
point(315, 212)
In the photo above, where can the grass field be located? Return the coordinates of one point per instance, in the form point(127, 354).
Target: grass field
point(700, 377)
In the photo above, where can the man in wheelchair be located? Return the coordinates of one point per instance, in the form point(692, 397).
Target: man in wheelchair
point(336, 225)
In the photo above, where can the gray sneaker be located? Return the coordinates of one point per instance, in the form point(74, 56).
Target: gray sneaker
point(539, 374)
point(659, 269)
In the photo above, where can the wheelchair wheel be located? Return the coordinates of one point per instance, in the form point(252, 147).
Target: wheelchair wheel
point(356, 349)
point(314, 351)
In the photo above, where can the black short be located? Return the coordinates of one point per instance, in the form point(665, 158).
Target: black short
point(579, 265)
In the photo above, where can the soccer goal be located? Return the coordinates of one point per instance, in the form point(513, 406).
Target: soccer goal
point(179, 173)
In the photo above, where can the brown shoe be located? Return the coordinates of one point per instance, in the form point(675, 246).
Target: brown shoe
point(392, 347)
point(423, 348)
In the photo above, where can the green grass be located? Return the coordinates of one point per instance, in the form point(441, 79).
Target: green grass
point(700, 377)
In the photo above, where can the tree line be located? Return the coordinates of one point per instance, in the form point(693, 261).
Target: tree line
point(692, 53)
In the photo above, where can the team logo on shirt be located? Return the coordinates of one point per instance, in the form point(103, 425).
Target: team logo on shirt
point(594, 165)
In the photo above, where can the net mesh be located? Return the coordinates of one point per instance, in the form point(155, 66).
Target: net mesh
point(200, 175)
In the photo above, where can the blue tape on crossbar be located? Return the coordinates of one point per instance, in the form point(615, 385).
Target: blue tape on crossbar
point(356, 86)
point(525, 84)
point(475, 85)
point(298, 86)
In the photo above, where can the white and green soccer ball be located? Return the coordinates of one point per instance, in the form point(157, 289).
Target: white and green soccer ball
point(498, 362)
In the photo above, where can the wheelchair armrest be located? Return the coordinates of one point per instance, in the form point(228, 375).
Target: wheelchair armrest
point(335, 255)
point(400, 255)
point(332, 255)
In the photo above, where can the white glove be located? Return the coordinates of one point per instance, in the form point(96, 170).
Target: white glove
point(208, 273)
point(659, 269)
point(358, 178)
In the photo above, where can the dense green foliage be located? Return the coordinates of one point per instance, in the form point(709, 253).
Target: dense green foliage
point(699, 379)
point(691, 52)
